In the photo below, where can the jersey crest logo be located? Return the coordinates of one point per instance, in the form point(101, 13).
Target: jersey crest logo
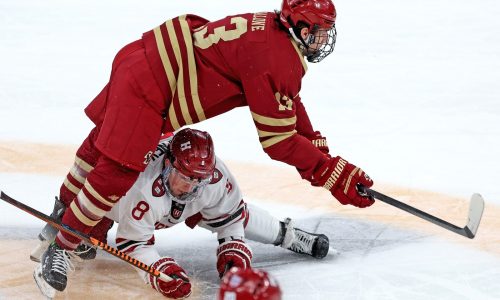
point(284, 103)
point(216, 176)
point(176, 210)
point(158, 189)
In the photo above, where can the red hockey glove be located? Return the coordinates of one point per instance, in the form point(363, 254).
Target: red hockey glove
point(233, 254)
point(340, 178)
point(319, 142)
point(179, 287)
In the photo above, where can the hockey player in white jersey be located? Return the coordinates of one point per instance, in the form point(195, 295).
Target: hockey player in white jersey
point(186, 182)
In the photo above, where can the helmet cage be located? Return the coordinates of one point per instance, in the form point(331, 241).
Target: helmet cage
point(316, 15)
point(319, 44)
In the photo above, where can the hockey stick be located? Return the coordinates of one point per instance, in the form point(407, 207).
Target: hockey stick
point(113, 251)
point(476, 209)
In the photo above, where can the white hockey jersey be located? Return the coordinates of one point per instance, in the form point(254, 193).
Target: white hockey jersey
point(147, 207)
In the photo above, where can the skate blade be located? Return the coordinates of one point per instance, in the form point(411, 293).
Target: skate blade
point(46, 290)
point(36, 254)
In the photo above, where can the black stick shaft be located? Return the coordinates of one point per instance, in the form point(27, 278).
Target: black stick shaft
point(414, 211)
point(417, 212)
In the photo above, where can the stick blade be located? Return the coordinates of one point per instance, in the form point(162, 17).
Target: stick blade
point(476, 209)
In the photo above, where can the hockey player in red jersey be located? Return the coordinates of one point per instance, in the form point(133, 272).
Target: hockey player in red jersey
point(185, 182)
point(187, 70)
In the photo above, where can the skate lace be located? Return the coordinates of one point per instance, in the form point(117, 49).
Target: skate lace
point(62, 262)
point(303, 242)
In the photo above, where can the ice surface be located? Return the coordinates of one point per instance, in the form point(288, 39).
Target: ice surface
point(410, 94)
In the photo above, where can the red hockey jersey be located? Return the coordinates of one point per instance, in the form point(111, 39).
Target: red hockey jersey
point(207, 68)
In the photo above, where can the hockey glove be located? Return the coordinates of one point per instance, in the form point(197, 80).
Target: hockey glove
point(319, 142)
point(233, 254)
point(340, 178)
point(179, 287)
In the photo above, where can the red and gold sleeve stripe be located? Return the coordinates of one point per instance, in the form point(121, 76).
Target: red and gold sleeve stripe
point(273, 130)
point(175, 45)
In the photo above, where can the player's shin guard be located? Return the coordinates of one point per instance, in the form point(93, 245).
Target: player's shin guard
point(85, 161)
point(48, 234)
point(261, 226)
point(104, 186)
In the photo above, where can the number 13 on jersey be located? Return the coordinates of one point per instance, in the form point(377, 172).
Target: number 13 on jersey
point(203, 40)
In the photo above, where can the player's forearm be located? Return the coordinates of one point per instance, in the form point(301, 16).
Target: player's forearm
point(303, 125)
point(148, 255)
point(299, 152)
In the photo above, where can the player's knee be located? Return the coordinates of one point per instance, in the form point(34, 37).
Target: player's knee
point(110, 178)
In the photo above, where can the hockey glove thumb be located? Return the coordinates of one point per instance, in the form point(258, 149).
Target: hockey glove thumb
point(340, 178)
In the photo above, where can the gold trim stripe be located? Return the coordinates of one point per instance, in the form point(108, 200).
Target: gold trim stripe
point(81, 217)
point(275, 140)
point(273, 121)
point(91, 207)
point(301, 56)
point(167, 66)
point(193, 75)
point(180, 79)
point(171, 76)
point(96, 195)
point(263, 133)
point(82, 164)
point(71, 186)
point(346, 189)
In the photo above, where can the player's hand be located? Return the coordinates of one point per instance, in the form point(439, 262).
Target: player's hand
point(233, 254)
point(179, 287)
point(340, 178)
point(319, 142)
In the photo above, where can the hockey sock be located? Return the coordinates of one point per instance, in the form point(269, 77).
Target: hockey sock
point(104, 187)
point(281, 235)
point(85, 161)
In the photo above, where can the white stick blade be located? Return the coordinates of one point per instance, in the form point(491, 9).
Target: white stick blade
point(475, 213)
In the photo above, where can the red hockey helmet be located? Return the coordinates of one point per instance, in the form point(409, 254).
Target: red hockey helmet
point(320, 13)
point(189, 164)
point(248, 284)
point(319, 16)
point(192, 153)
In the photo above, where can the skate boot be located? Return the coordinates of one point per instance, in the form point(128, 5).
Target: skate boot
point(55, 264)
point(85, 252)
point(48, 234)
point(300, 241)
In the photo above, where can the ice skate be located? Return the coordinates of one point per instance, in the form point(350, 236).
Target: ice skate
point(55, 264)
point(300, 241)
point(48, 234)
point(43, 286)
